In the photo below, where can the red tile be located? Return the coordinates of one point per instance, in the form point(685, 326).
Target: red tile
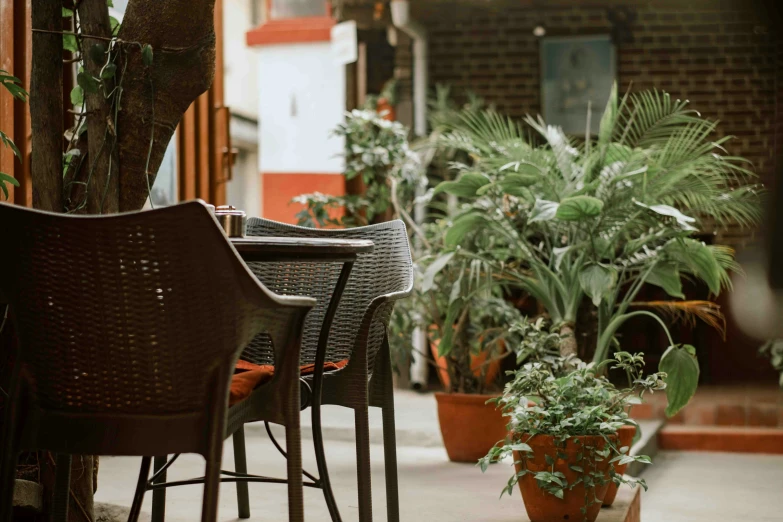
point(730, 415)
point(763, 415)
point(642, 411)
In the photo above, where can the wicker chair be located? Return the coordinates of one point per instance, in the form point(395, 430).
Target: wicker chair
point(130, 327)
point(358, 335)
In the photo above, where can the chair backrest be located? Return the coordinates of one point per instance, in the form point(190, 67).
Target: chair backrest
point(124, 314)
point(377, 279)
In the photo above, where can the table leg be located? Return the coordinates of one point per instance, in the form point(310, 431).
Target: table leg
point(318, 375)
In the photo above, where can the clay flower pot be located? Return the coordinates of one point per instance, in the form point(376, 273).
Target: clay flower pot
point(541, 505)
point(625, 437)
point(476, 363)
point(469, 426)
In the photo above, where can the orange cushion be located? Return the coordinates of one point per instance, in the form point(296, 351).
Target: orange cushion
point(248, 376)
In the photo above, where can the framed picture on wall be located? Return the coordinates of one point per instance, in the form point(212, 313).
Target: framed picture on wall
point(577, 72)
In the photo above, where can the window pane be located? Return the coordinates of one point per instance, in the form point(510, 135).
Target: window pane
point(297, 8)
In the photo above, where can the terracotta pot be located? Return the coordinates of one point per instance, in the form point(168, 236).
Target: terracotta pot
point(469, 426)
point(624, 438)
point(476, 362)
point(386, 109)
point(542, 506)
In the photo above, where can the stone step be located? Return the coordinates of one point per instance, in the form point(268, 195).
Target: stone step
point(721, 438)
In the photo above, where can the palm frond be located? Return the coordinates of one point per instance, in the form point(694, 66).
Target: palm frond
point(688, 312)
point(650, 117)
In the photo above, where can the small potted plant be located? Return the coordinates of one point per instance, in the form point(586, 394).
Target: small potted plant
point(564, 417)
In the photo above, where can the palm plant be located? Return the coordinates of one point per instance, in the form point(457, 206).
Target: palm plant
point(601, 217)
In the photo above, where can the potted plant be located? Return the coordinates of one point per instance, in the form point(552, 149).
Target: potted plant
point(597, 219)
point(467, 331)
point(564, 418)
point(381, 165)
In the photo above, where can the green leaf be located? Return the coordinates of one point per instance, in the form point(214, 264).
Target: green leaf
point(685, 222)
point(543, 210)
point(608, 119)
point(579, 207)
point(70, 43)
point(108, 71)
point(597, 281)
point(146, 55)
point(466, 186)
point(10, 143)
point(578, 469)
point(98, 53)
point(521, 446)
point(433, 269)
point(87, 82)
point(110, 3)
point(115, 25)
point(682, 376)
point(77, 96)
point(699, 259)
point(558, 493)
point(516, 184)
point(461, 226)
point(5, 178)
point(67, 13)
point(666, 276)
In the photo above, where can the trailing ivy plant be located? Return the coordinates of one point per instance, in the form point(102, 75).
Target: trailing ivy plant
point(601, 217)
point(773, 350)
point(377, 151)
point(564, 398)
point(13, 85)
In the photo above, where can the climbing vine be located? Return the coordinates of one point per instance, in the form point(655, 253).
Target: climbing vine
point(109, 56)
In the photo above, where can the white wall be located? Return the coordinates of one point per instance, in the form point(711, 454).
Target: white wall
point(301, 100)
point(240, 63)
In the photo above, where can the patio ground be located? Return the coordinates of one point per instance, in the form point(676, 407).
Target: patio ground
point(684, 486)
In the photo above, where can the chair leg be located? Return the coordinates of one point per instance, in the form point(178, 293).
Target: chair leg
point(62, 488)
point(159, 495)
point(361, 418)
point(293, 442)
point(323, 470)
point(240, 466)
point(390, 462)
point(141, 488)
point(7, 476)
point(209, 506)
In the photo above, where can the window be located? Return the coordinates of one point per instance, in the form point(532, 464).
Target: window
point(280, 9)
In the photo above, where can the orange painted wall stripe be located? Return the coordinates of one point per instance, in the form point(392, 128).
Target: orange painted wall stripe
point(295, 30)
point(280, 188)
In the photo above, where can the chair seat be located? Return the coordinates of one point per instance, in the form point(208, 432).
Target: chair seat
point(248, 376)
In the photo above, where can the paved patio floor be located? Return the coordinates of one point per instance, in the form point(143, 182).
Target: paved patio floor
point(683, 486)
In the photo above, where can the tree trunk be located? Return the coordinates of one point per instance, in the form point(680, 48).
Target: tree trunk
point(103, 187)
point(182, 36)
point(119, 157)
point(46, 106)
point(568, 340)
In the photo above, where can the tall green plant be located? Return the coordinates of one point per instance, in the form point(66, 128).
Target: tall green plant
point(601, 217)
point(12, 85)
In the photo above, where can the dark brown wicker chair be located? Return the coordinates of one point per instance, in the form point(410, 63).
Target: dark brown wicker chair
point(358, 335)
point(129, 328)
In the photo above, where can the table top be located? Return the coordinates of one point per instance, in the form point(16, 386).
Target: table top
point(273, 248)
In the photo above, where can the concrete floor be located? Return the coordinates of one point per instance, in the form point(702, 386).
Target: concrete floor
point(691, 487)
point(711, 487)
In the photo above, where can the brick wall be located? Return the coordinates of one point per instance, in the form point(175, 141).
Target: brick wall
point(720, 55)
